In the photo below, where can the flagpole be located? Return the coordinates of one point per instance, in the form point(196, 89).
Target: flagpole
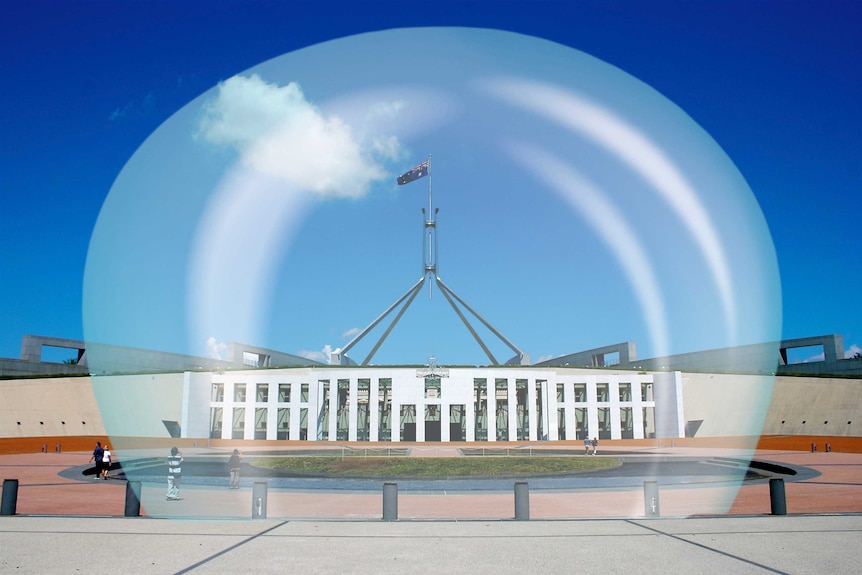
point(433, 259)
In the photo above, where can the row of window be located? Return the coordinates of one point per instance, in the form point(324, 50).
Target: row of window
point(261, 392)
point(432, 390)
point(433, 419)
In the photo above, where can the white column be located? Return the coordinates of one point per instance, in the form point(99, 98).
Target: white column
point(532, 432)
point(491, 387)
point(333, 409)
point(592, 408)
point(444, 422)
point(374, 410)
point(395, 417)
point(352, 408)
point(272, 412)
point(614, 397)
point(512, 401)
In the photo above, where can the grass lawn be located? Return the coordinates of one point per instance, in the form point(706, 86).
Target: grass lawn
point(435, 466)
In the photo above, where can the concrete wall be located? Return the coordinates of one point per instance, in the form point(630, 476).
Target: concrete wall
point(815, 406)
point(728, 405)
point(39, 408)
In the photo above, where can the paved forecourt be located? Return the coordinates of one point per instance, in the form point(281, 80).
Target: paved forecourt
point(770, 544)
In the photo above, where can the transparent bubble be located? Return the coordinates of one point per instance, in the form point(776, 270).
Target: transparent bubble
point(578, 207)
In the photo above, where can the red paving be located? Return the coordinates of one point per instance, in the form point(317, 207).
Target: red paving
point(42, 491)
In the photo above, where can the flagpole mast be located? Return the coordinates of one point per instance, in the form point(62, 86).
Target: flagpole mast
point(431, 264)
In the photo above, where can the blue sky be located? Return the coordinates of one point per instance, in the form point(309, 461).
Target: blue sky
point(775, 85)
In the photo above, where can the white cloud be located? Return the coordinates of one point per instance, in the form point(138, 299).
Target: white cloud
point(545, 358)
point(277, 131)
point(852, 352)
point(815, 358)
point(215, 350)
point(350, 332)
point(322, 356)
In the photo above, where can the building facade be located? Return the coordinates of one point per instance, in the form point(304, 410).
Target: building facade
point(394, 404)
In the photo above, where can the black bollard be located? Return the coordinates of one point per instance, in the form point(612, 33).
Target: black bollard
point(813, 447)
point(133, 499)
point(522, 500)
point(390, 502)
point(258, 500)
point(828, 448)
point(651, 500)
point(777, 500)
point(9, 504)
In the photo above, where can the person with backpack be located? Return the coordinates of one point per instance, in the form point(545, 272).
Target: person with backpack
point(97, 458)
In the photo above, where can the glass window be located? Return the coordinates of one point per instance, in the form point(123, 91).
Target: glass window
point(581, 392)
point(384, 408)
point(216, 416)
point(283, 427)
point(432, 387)
point(625, 392)
point(323, 417)
point(363, 421)
point(260, 423)
point(262, 395)
point(646, 392)
point(522, 419)
point(604, 423)
point(501, 387)
point(303, 423)
point(480, 392)
point(218, 392)
point(581, 423)
point(343, 410)
point(239, 393)
point(457, 423)
point(238, 431)
point(284, 393)
point(602, 392)
point(561, 393)
point(303, 393)
point(408, 422)
point(626, 423)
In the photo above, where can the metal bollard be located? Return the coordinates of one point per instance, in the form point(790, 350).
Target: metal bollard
point(652, 508)
point(133, 499)
point(522, 501)
point(828, 448)
point(777, 500)
point(258, 500)
point(813, 447)
point(9, 504)
point(390, 502)
point(57, 450)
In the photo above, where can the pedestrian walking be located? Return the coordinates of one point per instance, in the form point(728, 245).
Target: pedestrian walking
point(595, 446)
point(175, 473)
point(98, 452)
point(233, 464)
point(106, 461)
point(587, 445)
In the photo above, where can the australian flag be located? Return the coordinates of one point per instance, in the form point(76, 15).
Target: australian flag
point(419, 171)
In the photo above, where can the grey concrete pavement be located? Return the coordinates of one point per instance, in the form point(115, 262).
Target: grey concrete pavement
point(795, 544)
